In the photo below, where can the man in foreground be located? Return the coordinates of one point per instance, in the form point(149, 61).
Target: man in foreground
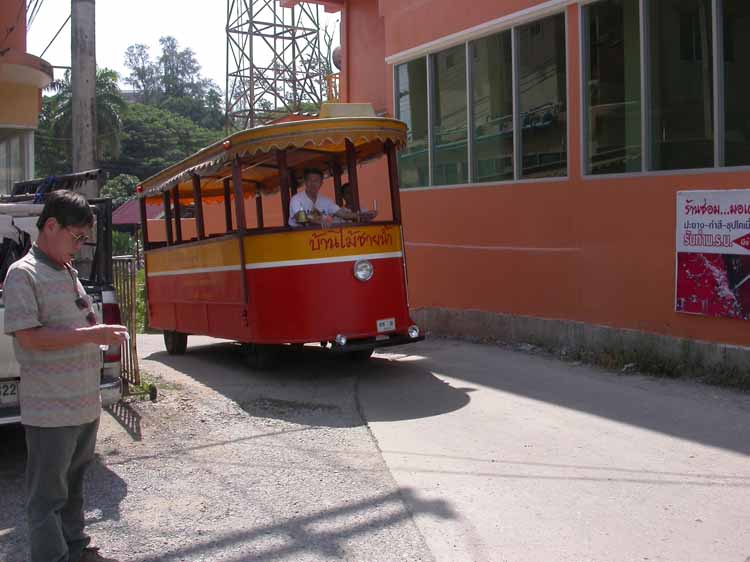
point(56, 341)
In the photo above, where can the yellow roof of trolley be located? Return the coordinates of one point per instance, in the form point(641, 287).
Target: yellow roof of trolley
point(318, 143)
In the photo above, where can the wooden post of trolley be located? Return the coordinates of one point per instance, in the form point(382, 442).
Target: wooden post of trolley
point(239, 199)
point(168, 217)
point(144, 223)
point(198, 198)
point(351, 163)
point(390, 150)
point(336, 173)
point(227, 205)
point(259, 205)
point(177, 215)
point(283, 183)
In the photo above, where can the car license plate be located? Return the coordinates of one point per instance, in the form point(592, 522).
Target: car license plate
point(386, 324)
point(8, 393)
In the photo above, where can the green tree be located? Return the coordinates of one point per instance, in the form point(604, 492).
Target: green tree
point(174, 82)
point(144, 73)
point(55, 132)
point(154, 138)
point(120, 189)
point(52, 153)
point(123, 244)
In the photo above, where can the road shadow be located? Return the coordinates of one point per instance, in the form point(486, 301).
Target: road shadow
point(683, 409)
point(128, 418)
point(314, 387)
point(322, 534)
point(409, 384)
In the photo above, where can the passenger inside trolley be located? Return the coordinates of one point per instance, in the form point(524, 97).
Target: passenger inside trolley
point(311, 207)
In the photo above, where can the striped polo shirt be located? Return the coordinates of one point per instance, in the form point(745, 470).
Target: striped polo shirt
point(58, 388)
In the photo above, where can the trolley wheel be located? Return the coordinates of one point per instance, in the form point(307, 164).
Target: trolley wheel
point(260, 356)
point(175, 342)
point(360, 354)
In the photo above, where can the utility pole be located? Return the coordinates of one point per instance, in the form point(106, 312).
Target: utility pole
point(83, 78)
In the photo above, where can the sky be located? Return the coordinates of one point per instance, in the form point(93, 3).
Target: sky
point(121, 24)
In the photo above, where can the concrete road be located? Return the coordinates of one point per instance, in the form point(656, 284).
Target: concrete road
point(546, 461)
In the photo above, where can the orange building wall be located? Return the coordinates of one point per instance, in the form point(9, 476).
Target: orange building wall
point(13, 14)
point(598, 250)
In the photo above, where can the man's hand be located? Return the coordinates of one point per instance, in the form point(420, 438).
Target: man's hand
point(50, 339)
point(106, 334)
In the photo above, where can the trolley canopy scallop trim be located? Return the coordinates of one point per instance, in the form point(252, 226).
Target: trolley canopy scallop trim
point(316, 143)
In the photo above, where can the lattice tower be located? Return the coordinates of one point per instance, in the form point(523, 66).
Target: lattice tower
point(274, 61)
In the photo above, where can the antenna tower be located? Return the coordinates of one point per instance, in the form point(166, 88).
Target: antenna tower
point(274, 61)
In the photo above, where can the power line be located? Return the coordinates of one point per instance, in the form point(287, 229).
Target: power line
point(55, 37)
point(34, 14)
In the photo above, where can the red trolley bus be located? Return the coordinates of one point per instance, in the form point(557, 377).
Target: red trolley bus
point(224, 262)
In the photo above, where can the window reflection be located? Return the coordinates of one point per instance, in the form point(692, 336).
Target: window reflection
point(614, 87)
point(492, 107)
point(681, 84)
point(412, 109)
point(736, 55)
point(450, 165)
point(542, 95)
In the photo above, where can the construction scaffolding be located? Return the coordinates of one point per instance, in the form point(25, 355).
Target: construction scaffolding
point(274, 61)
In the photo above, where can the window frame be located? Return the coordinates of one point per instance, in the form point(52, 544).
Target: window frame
point(514, 21)
point(512, 26)
point(719, 102)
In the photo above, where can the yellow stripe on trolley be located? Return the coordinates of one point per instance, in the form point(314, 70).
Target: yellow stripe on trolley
point(283, 249)
point(307, 245)
point(208, 255)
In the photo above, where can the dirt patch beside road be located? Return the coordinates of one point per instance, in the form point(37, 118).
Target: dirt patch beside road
point(234, 465)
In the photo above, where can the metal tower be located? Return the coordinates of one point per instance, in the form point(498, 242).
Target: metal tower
point(274, 61)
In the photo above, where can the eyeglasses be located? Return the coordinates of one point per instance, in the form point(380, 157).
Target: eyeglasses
point(83, 305)
point(78, 238)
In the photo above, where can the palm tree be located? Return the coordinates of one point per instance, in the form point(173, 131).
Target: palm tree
point(109, 108)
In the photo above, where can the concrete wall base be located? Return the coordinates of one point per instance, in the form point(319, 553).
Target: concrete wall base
point(604, 345)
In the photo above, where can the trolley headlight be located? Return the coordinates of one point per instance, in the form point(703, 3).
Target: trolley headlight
point(363, 270)
point(413, 331)
point(341, 340)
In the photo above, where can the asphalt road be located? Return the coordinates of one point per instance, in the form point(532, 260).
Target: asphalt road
point(469, 452)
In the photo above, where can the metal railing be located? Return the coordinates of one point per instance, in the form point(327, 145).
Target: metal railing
point(124, 271)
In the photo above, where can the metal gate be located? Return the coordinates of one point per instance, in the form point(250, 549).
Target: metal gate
point(124, 271)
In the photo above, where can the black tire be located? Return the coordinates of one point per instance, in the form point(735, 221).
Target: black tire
point(175, 342)
point(261, 357)
point(360, 354)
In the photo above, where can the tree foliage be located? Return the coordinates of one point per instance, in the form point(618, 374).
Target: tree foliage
point(179, 113)
point(154, 138)
point(173, 82)
point(120, 189)
point(55, 130)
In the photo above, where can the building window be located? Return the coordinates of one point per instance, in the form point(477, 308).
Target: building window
point(449, 118)
point(682, 119)
point(16, 157)
point(411, 88)
point(470, 131)
point(737, 82)
point(492, 107)
point(542, 85)
point(613, 69)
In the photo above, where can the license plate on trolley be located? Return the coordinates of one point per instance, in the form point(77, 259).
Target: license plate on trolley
point(386, 325)
point(8, 393)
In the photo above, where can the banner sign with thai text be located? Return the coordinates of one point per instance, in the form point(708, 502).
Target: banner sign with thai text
point(713, 253)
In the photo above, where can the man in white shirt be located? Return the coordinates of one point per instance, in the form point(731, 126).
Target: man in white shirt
point(318, 209)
